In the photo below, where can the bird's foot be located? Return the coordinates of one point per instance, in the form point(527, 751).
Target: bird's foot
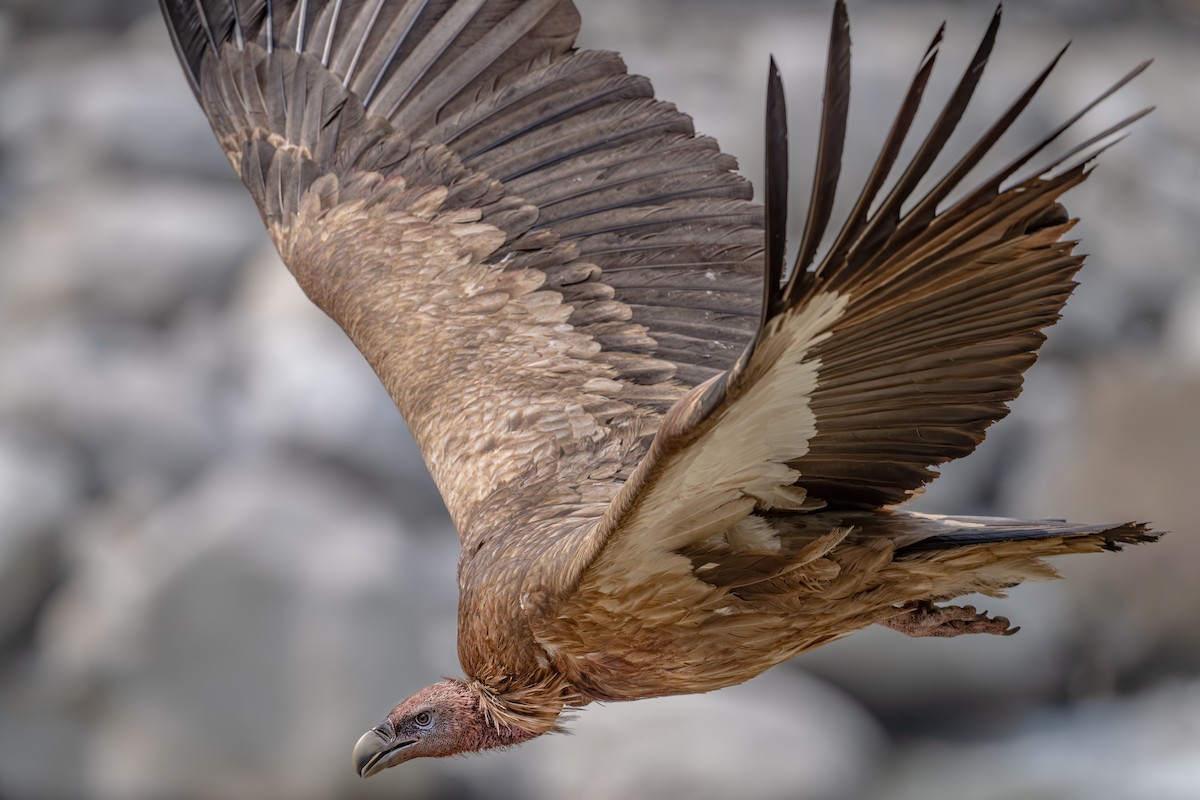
point(923, 618)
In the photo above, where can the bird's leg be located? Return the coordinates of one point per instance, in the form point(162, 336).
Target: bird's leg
point(923, 618)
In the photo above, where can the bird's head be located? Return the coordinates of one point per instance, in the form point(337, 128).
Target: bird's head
point(444, 719)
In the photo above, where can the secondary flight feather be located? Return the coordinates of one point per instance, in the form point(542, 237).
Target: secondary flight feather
point(670, 459)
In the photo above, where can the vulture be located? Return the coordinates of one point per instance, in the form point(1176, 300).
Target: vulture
point(673, 461)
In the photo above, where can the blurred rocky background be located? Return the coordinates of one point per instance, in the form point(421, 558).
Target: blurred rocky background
point(221, 558)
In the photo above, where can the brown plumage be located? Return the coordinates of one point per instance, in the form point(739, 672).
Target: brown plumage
point(668, 472)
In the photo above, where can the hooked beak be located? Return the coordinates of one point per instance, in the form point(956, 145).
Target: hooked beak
point(374, 752)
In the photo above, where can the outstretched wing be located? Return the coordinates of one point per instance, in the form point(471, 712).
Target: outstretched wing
point(536, 256)
point(893, 355)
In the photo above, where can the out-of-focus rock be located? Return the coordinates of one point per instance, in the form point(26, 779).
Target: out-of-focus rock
point(40, 487)
point(236, 642)
point(1131, 455)
point(147, 252)
point(1183, 329)
point(139, 404)
point(84, 106)
point(777, 737)
point(75, 13)
point(1143, 747)
point(298, 381)
point(43, 734)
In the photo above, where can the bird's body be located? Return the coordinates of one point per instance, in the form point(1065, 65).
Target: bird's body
point(667, 474)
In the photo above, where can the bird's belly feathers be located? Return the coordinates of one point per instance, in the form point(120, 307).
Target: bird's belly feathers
point(716, 616)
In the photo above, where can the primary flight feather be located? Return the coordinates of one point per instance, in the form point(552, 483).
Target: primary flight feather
point(671, 461)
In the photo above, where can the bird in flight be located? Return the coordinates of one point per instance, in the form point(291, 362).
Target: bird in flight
point(673, 463)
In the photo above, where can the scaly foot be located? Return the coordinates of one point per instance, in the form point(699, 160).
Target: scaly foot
point(923, 618)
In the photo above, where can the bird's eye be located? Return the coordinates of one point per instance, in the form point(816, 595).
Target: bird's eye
point(423, 720)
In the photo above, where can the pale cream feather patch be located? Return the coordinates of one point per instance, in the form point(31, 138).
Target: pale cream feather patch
point(752, 533)
point(740, 463)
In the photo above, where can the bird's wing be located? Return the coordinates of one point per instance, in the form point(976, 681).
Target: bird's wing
point(891, 356)
point(536, 255)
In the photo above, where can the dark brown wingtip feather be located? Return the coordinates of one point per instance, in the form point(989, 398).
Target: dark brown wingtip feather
point(834, 112)
point(887, 217)
point(775, 198)
point(927, 207)
point(887, 158)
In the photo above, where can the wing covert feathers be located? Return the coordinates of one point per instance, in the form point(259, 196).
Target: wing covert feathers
point(834, 113)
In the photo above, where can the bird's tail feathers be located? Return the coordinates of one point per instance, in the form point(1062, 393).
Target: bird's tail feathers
point(989, 555)
point(950, 532)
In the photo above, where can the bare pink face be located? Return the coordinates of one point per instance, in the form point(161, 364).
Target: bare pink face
point(440, 720)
